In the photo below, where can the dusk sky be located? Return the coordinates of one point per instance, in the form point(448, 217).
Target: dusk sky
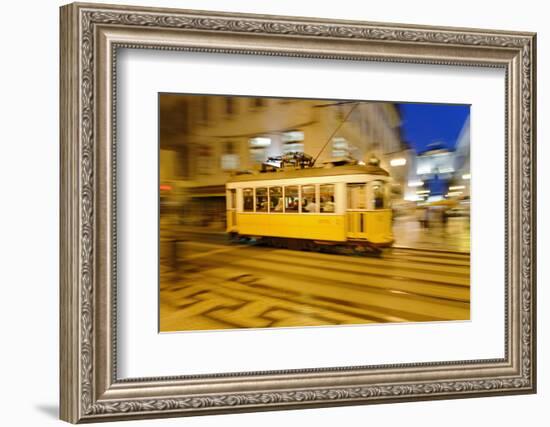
point(425, 124)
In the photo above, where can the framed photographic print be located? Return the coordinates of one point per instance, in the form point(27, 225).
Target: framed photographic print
point(266, 212)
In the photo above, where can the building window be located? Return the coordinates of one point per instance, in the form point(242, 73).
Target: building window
point(261, 199)
point(292, 199)
point(260, 142)
point(204, 159)
point(258, 148)
point(340, 147)
point(230, 162)
point(309, 199)
point(326, 196)
point(229, 159)
point(276, 199)
point(293, 136)
point(293, 142)
point(248, 200)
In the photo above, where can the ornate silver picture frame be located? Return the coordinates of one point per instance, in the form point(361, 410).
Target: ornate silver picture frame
point(91, 37)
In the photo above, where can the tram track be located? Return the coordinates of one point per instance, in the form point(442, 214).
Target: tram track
point(350, 275)
point(437, 274)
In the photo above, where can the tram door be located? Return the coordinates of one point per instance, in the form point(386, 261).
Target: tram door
point(231, 210)
point(356, 210)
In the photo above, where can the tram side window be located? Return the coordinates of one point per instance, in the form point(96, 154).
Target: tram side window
point(276, 199)
point(326, 195)
point(292, 199)
point(309, 201)
point(248, 200)
point(261, 199)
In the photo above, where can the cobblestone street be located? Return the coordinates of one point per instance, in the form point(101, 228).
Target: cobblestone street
point(453, 235)
point(216, 285)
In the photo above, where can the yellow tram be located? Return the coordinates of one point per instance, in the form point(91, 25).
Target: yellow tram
point(318, 206)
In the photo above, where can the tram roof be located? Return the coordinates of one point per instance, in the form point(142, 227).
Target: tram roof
point(311, 172)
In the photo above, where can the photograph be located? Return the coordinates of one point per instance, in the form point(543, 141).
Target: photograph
point(298, 212)
point(261, 211)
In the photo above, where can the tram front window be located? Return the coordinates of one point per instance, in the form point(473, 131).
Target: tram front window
point(378, 196)
point(309, 201)
point(291, 199)
point(261, 199)
point(357, 196)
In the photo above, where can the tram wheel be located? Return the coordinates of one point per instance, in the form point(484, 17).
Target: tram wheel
point(367, 250)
